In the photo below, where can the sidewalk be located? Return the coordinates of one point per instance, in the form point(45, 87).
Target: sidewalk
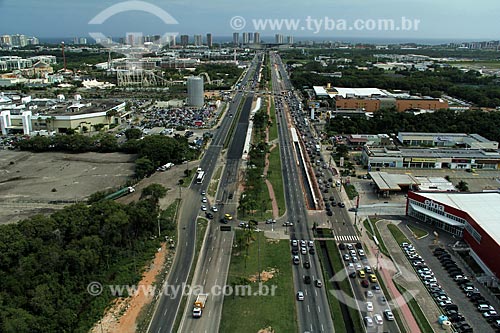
point(388, 270)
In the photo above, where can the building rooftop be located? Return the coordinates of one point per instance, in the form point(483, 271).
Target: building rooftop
point(484, 208)
point(393, 181)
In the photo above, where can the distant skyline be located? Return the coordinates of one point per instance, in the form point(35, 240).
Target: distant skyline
point(445, 20)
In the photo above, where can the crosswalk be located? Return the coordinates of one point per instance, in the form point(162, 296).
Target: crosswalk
point(346, 238)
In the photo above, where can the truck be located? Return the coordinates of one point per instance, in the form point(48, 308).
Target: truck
point(120, 193)
point(199, 304)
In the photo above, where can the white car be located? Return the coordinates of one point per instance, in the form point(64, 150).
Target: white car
point(369, 294)
point(388, 315)
point(369, 306)
point(368, 321)
point(300, 296)
point(203, 208)
point(361, 252)
point(303, 250)
point(378, 319)
point(204, 200)
point(214, 209)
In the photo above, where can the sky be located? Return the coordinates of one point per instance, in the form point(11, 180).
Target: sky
point(437, 19)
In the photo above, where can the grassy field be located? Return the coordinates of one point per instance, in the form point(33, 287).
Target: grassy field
point(419, 233)
point(368, 227)
point(338, 323)
point(251, 313)
point(397, 234)
point(273, 129)
point(275, 176)
point(189, 179)
point(422, 321)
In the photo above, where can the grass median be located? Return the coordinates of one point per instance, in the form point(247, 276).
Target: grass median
point(252, 312)
point(275, 176)
point(415, 309)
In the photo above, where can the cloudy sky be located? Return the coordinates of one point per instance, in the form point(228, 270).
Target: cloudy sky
point(443, 19)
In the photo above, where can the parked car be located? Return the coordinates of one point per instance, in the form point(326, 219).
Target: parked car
point(388, 315)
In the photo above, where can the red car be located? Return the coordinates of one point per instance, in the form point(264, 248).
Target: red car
point(365, 283)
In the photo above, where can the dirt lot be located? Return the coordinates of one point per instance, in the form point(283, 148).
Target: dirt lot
point(30, 183)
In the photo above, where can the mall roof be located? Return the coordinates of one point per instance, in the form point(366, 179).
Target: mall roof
point(484, 208)
point(392, 181)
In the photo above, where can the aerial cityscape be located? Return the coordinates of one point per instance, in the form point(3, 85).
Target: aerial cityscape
point(249, 167)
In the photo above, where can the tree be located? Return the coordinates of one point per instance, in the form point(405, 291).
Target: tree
point(462, 186)
point(133, 133)
point(154, 192)
point(143, 167)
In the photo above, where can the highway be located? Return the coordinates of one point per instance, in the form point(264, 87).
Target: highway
point(313, 312)
point(214, 259)
point(168, 305)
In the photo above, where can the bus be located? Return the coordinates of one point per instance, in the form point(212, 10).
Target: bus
point(200, 177)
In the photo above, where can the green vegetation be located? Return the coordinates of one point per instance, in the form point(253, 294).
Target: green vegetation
point(47, 262)
point(422, 321)
point(419, 233)
point(397, 234)
point(382, 246)
point(344, 284)
point(189, 174)
point(351, 191)
point(273, 129)
point(226, 72)
point(252, 313)
point(368, 227)
point(338, 322)
point(462, 186)
point(442, 121)
point(275, 176)
point(212, 188)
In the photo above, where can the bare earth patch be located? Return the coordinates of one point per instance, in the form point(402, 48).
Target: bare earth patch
point(264, 276)
point(266, 330)
point(122, 316)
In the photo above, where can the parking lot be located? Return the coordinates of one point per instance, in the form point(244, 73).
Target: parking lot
point(447, 270)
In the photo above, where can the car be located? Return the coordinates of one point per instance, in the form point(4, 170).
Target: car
point(485, 307)
point(230, 196)
point(209, 215)
point(490, 313)
point(376, 288)
point(306, 264)
point(214, 209)
point(373, 278)
point(467, 289)
point(368, 321)
point(382, 300)
point(203, 192)
point(310, 243)
point(442, 298)
point(365, 283)
point(228, 216)
point(222, 220)
point(312, 251)
point(377, 318)
point(204, 200)
point(300, 296)
point(354, 258)
point(352, 275)
point(307, 279)
point(318, 283)
point(361, 252)
point(295, 242)
point(350, 266)
point(443, 303)
point(361, 273)
point(341, 204)
point(287, 224)
point(388, 315)
point(303, 250)
point(296, 260)
point(349, 246)
point(329, 213)
point(358, 266)
point(203, 207)
point(295, 250)
point(342, 246)
point(302, 243)
point(368, 294)
point(346, 257)
point(368, 269)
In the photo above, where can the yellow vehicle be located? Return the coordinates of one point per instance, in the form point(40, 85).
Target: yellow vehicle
point(228, 217)
point(361, 273)
point(373, 278)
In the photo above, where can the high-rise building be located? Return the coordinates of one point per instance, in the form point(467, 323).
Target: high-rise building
point(195, 91)
point(198, 40)
point(236, 38)
point(5, 40)
point(256, 38)
point(82, 40)
point(184, 40)
point(278, 39)
point(209, 40)
point(19, 40)
point(32, 41)
point(289, 40)
point(245, 38)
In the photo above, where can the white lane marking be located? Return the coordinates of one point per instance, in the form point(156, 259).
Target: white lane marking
point(308, 310)
point(319, 309)
point(165, 313)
